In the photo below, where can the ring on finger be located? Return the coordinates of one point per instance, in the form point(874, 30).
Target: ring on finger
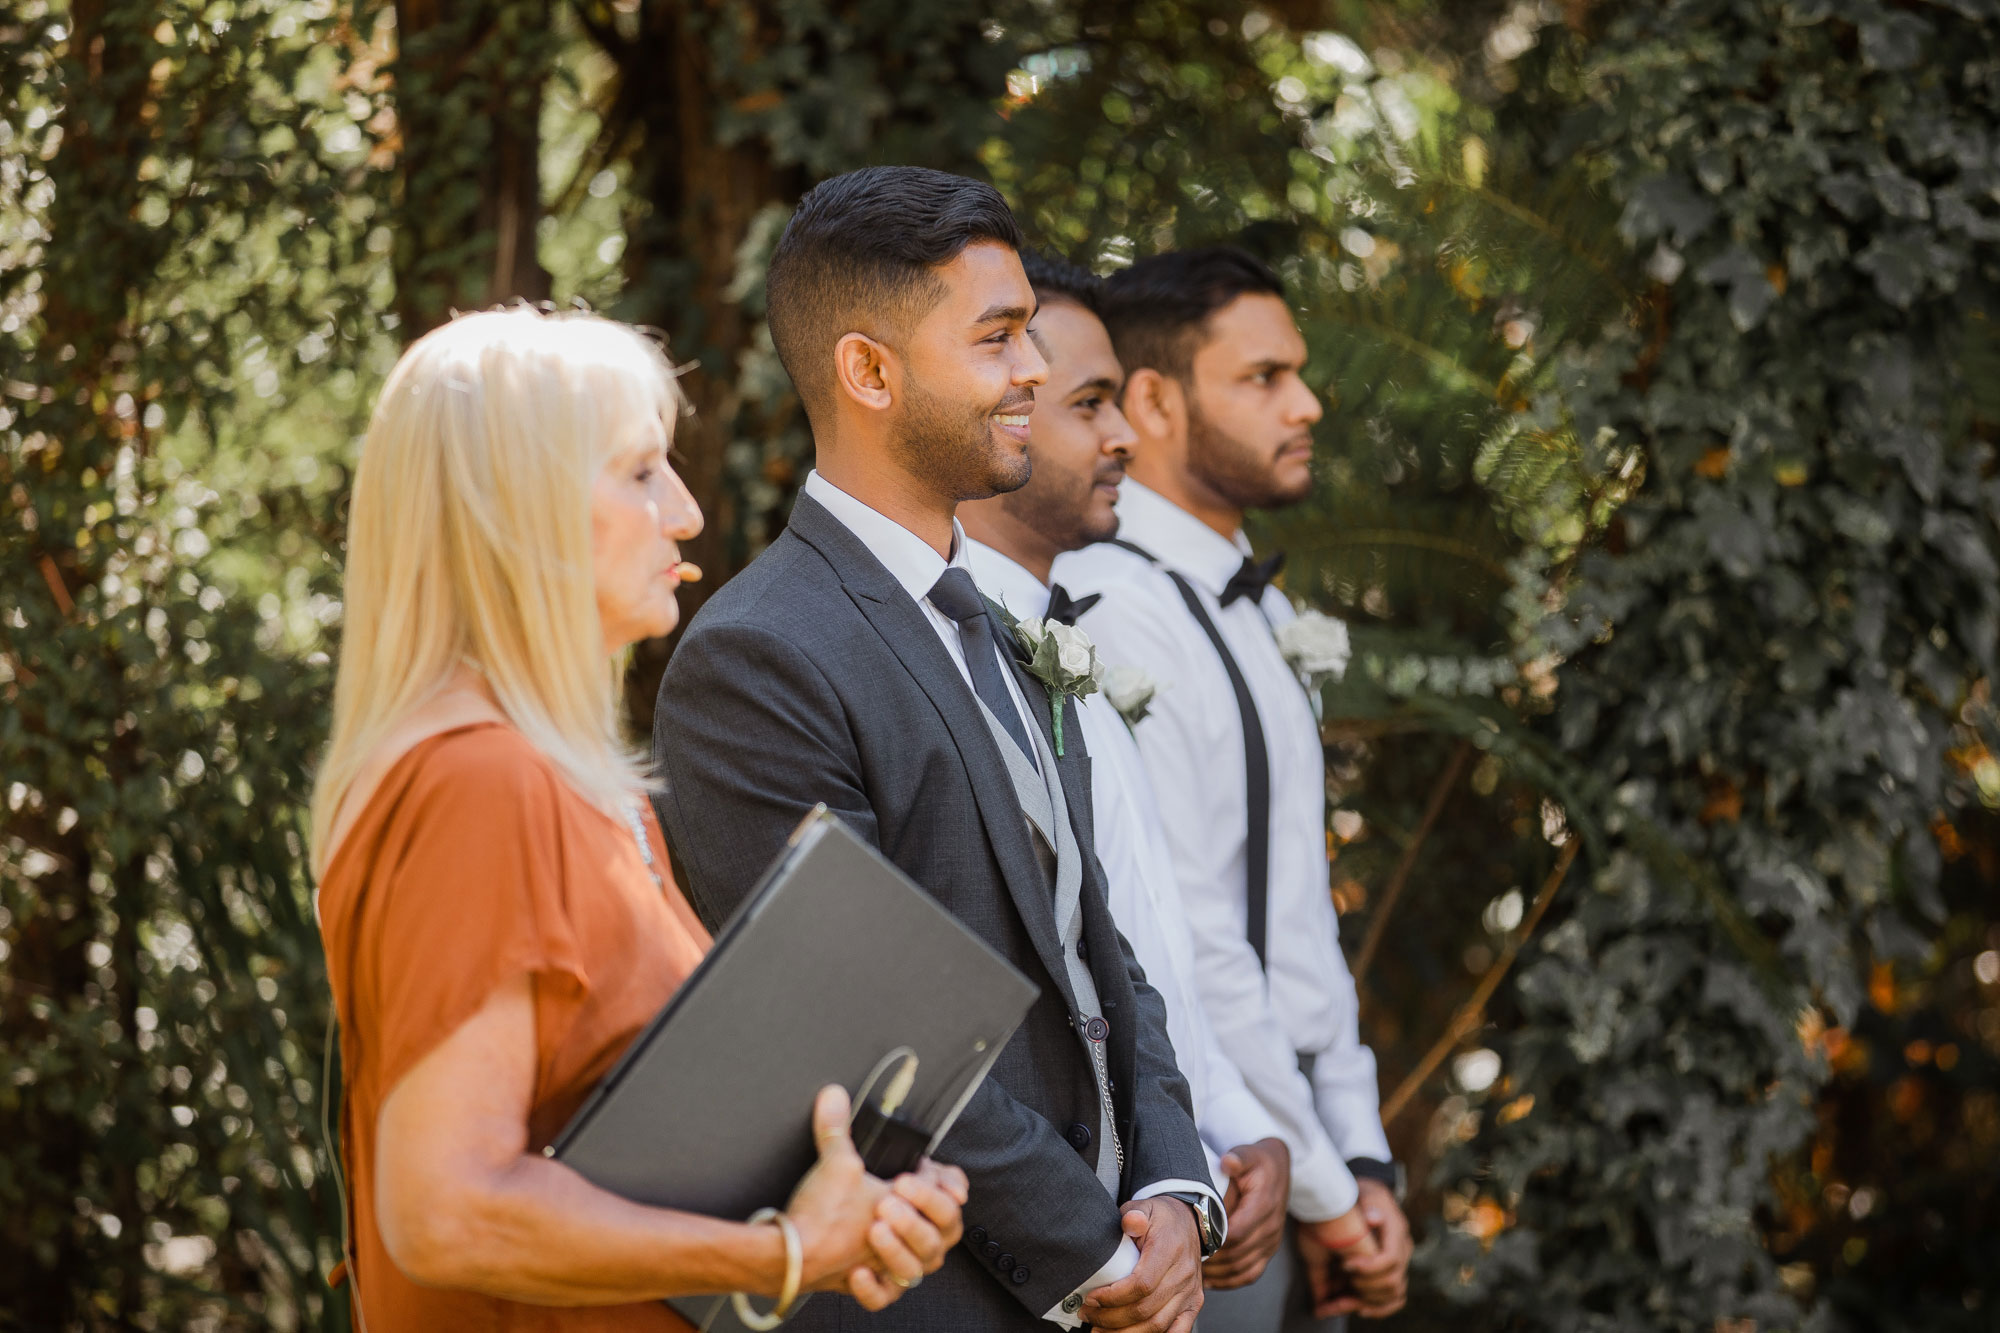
point(909, 1284)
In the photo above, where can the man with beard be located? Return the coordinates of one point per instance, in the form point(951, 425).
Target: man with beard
point(1080, 443)
point(854, 663)
point(1224, 422)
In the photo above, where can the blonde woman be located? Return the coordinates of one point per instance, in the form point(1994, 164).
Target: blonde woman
point(494, 894)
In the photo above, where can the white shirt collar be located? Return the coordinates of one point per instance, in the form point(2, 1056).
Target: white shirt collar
point(1177, 538)
point(910, 559)
point(1006, 580)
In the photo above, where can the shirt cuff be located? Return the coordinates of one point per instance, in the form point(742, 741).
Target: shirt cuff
point(1126, 1257)
point(1121, 1263)
point(1207, 1191)
point(1159, 1187)
point(1322, 1187)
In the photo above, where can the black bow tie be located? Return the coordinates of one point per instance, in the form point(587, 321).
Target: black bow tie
point(1064, 609)
point(1251, 578)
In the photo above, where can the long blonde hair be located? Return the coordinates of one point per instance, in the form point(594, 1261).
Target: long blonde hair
point(469, 539)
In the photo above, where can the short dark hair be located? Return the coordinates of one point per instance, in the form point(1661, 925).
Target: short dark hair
point(863, 244)
point(1158, 308)
point(1056, 279)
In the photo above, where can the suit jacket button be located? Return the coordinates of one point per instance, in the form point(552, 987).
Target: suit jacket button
point(992, 1248)
point(977, 1236)
point(1079, 1137)
point(1006, 1263)
point(1097, 1029)
point(1083, 949)
point(1021, 1276)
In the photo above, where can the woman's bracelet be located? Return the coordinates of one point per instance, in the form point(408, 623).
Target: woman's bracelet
point(795, 1264)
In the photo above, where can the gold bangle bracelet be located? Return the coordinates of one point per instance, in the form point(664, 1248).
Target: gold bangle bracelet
point(795, 1263)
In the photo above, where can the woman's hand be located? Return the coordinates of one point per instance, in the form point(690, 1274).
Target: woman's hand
point(464, 1203)
point(922, 1213)
point(870, 1238)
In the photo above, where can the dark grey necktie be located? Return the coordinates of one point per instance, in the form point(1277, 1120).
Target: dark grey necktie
point(954, 595)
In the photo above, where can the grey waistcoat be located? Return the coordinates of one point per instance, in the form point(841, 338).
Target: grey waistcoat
point(1062, 862)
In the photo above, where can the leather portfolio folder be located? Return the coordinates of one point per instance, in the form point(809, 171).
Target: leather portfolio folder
point(836, 969)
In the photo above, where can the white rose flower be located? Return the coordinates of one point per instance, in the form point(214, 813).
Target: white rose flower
point(1073, 650)
point(1063, 659)
point(1130, 691)
point(1315, 644)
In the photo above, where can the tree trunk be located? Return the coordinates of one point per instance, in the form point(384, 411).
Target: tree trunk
point(469, 83)
point(703, 197)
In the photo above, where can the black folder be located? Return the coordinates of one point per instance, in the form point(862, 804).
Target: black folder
point(835, 963)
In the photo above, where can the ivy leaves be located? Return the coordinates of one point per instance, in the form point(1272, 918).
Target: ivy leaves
point(1804, 602)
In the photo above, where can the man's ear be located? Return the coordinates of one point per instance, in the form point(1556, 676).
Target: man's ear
point(865, 371)
point(1155, 404)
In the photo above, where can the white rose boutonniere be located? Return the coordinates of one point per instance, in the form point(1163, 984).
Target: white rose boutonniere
point(1315, 645)
point(1061, 657)
point(1130, 691)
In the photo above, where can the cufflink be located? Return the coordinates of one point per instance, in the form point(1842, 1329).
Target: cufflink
point(1072, 1303)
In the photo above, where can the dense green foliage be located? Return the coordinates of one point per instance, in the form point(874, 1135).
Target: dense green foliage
point(1768, 660)
point(1656, 484)
point(186, 230)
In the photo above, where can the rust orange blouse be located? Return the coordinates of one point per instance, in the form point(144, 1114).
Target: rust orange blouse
point(474, 863)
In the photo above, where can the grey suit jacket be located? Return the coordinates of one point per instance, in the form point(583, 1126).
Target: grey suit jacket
point(812, 676)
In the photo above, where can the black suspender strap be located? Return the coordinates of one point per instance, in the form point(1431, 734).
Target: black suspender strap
point(1256, 763)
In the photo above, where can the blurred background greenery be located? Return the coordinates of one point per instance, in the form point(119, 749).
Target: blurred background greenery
point(1657, 484)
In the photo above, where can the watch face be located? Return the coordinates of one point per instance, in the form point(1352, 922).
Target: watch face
point(1205, 1223)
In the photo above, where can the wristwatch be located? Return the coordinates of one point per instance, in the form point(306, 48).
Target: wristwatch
point(1209, 1220)
point(1393, 1175)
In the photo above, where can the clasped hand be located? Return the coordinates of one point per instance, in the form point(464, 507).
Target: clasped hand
point(1359, 1263)
point(1260, 1177)
point(1162, 1294)
point(869, 1238)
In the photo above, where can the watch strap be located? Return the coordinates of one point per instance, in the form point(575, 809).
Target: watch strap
point(1389, 1174)
point(1210, 1227)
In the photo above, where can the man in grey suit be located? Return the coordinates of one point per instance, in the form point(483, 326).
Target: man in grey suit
point(854, 663)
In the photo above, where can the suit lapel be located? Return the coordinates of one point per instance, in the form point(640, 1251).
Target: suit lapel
point(909, 636)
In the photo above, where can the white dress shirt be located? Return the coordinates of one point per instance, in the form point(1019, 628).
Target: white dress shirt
point(1139, 879)
point(914, 564)
point(1192, 742)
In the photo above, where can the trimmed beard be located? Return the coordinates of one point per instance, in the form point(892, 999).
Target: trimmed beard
point(1060, 513)
point(945, 444)
point(1232, 469)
